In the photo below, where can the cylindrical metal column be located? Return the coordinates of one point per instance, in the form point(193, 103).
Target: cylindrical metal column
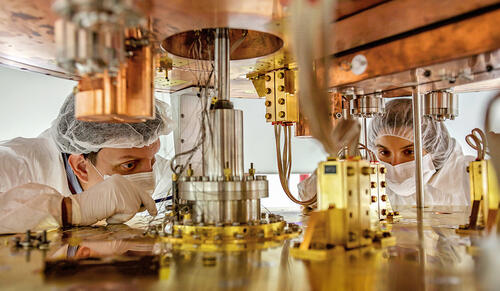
point(222, 58)
point(417, 134)
point(224, 144)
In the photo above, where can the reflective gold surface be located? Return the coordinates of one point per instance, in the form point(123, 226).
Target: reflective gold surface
point(435, 257)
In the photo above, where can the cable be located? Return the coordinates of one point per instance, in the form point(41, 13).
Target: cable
point(477, 140)
point(281, 167)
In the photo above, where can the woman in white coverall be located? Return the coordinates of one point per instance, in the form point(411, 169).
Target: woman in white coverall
point(77, 173)
point(444, 165)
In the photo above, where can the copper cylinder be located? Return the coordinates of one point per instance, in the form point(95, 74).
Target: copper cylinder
point(128, 97)
point(302, 128)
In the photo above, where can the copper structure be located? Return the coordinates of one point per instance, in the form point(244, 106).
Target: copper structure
point(403, 40)
point(127, 97)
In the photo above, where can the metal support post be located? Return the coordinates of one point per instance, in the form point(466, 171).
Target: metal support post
point(222, 58)
point(417, 134)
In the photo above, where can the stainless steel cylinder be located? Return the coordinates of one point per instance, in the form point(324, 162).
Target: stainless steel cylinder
point(368, 105)
point(224, 202)
point(222, 58)
point(441, 105)
point(223, 146)
point(417, 133)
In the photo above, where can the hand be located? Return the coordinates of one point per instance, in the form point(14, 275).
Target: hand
point(116, 199)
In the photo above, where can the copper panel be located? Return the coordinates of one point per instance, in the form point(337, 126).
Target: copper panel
point(395, 17)
point(466, 38)
point(475, 73)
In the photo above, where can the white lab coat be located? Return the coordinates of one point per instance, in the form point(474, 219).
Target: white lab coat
point(448, 186)
point(32, 184)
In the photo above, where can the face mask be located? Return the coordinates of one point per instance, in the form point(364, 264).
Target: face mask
point(144, 180)
point(401, 178)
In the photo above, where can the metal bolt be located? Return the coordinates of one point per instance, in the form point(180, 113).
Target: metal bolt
point(382, 184)
point(268, 78)
point(367, 171)
point(384, 211)
point(383, 170)
point(281, 101)
point(281, 75)
point(373, 184)
point(427, 73)
point(384, 198)
point(269, 91)
point(281, 88)
point(350, 171)
point(268, 115)
point(282, 114)
point(268, 103)
point(374, 199)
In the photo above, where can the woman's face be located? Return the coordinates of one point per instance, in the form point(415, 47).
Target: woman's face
point(394, 150)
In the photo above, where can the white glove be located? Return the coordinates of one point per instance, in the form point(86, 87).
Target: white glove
point(116, 199)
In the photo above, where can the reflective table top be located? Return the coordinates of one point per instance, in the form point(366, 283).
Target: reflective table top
point(430, 257)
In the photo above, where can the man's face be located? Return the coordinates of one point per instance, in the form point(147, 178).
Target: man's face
point(122, 161)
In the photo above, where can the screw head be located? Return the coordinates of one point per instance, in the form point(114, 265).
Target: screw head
point(268, 115)
point(268, 103)
point(282, 114)
point(281, 101)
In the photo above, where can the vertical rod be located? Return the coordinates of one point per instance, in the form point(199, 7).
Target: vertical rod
point(417, 134)
point(365, 137)
point(222, 58)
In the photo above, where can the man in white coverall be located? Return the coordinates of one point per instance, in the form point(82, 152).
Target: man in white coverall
point(78, 173)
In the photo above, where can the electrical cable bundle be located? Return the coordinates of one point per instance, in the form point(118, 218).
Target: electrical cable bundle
point(284, 159)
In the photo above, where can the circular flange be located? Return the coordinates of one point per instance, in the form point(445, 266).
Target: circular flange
point(245, 44)
point(220, 237)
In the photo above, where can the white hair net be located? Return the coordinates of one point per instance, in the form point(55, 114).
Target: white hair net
point(73, 136)
point(398, 121)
